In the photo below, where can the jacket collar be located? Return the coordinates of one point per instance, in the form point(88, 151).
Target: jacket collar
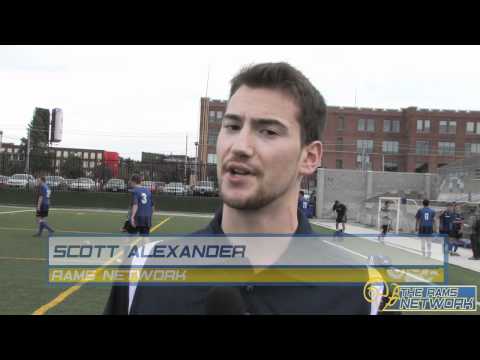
point(215, 226)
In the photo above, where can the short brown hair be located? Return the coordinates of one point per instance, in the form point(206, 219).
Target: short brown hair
point(136, 178)
point(283, 76)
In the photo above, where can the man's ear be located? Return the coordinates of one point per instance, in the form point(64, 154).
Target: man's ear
point(311, 158)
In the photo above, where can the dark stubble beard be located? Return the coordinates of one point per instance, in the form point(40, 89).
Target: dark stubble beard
point(261, 198)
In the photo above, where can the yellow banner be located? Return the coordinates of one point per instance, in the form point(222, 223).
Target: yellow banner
point(239, 275)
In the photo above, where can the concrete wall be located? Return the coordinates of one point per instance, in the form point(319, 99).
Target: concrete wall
point(353, 187)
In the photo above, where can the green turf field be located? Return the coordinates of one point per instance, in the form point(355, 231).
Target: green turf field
point(23, 258)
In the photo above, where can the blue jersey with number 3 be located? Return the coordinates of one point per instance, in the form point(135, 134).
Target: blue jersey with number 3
point(45, 194)
point(426, 217)
point(142, 197)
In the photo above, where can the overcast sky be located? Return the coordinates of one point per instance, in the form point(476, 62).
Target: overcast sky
point(131, 99)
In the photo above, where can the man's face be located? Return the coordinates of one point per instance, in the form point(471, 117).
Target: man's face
point(258, 148)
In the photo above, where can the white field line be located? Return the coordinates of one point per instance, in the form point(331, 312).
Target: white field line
point(13, 212)
point(366, 257)
point(113, 211)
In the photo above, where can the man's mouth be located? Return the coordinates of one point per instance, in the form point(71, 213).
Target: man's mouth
point(239, 170)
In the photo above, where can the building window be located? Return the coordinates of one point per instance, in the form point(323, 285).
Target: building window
point(421, 167)
point(470, 128)
point(212, 158)
point(339, 164)
point(341, 123)
point(390, 165)
point(85, 164)
point(446, 148)
point(391, 126)
point(447, 127)
point(390, 147)
point(361, 125)
point(370, 125)
point(85, 155)
point(212, 114)
point(219, 115)
point(59, 153)
point(212, 138)
point(422, 147)
point(57, 163)
point(92, 164)
point(339, 144)
point(363, 162)
point(99, 156)
point(65, 154)
point(472, 149)
point(92, 156)
point(366, 125)
point(365, 144)
point(423, 126)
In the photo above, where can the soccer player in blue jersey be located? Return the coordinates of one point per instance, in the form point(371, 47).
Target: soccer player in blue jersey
point(425, 226)
point(302, 203)
point(142, 207)
point(42, 206)
point(446, 219)
point(456, 232)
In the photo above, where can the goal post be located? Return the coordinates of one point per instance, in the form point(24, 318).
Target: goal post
point(395, 208)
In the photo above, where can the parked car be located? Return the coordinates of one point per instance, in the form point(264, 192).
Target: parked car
point(159, 186)
point(68, 182)
point(150, 185)
point(175, 188)
point(306, 194)
point(25, 181)
point(3, 181)
point(82, 184)
point(115, 185)
point(204, 188)
point(55, 182)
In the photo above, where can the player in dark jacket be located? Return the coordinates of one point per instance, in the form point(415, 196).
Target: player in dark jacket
point(341, 211)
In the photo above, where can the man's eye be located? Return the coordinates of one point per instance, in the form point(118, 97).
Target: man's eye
point(268, 132)
point(231, 127)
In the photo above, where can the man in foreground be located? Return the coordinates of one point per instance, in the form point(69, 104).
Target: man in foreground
point(269, 140)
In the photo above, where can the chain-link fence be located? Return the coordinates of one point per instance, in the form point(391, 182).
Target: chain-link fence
point(78, 174)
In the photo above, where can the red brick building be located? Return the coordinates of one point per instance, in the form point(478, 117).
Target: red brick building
point(409, 140)
point(406, 140)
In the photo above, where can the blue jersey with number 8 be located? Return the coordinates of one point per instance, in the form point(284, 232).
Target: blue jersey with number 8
point(426, 217)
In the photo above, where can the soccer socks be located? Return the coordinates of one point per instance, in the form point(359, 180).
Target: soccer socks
point(41, 226)
point(46, 226)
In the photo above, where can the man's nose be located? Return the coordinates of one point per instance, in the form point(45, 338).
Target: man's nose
point(243, 143)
